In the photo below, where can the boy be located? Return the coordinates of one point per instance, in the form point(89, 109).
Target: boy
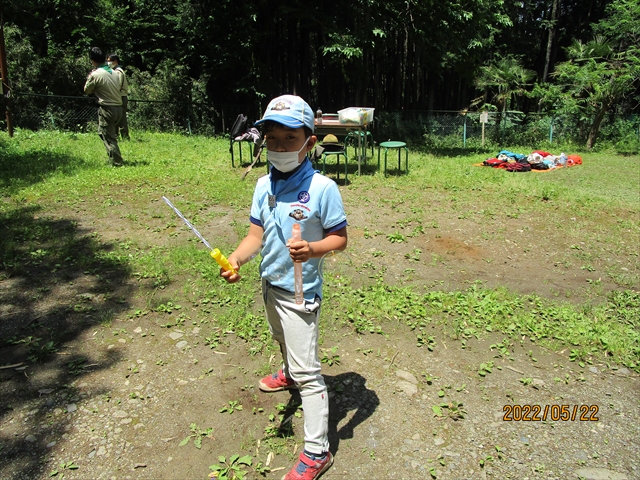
point(294, 192)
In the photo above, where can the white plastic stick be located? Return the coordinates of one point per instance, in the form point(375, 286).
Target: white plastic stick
point(187, 222)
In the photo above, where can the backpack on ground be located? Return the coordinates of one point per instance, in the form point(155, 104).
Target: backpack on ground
point(518, 167)
point(494, 162)
point(540, 166)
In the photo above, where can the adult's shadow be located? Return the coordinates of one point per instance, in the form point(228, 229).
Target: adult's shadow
point(347, 392)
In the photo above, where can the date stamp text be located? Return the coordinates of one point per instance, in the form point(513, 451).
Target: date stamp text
point(537, 413)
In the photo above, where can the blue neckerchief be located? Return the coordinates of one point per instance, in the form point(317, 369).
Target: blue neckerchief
point(283, 183)
point(106, 67)
point(293, 179)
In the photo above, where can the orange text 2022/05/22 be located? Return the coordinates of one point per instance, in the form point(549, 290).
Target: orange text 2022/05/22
point(555, 413)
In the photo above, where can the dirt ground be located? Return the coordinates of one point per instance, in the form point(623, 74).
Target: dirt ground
point(124, 413)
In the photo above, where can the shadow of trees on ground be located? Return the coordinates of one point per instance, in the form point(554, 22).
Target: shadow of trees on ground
point(20, 169)
point(56, 283)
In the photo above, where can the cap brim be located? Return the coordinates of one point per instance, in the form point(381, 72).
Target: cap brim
point(282, 119)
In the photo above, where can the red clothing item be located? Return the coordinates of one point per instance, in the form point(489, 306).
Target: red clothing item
point(574, 160)
point(542, 153)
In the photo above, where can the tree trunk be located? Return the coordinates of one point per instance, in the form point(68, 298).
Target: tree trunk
point(595, 126)
point(432, 93)
point(304, 72)
point(552, 35)
point(293, 58)
point(397, 71)
point(409, 86)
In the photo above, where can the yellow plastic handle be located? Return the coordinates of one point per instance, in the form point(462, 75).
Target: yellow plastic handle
point(222, 260)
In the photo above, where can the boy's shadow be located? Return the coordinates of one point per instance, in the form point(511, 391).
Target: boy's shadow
point(347, 392)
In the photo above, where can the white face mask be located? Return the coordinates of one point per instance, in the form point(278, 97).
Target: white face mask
point(285, 161)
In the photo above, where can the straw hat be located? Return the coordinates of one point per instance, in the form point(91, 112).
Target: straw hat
point(330, 139)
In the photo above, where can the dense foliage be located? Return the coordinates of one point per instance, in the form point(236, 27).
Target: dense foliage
point(395, 55)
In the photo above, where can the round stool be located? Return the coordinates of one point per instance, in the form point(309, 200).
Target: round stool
point(397, 145)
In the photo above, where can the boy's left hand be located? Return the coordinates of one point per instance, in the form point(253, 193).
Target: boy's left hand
point(299, 251)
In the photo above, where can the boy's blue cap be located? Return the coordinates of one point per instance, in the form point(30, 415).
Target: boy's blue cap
point(289, 110)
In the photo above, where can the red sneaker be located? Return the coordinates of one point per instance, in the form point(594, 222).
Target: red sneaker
point(276, 382)
point(309, 469)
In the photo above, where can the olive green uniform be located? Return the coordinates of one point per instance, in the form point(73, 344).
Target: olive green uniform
point(105, 84)
point(123, 127)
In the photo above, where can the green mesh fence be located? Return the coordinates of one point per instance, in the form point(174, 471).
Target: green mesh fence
point(436, 128)
point(35, 112)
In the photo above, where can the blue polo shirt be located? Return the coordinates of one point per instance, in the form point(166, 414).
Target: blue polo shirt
point(305, 197)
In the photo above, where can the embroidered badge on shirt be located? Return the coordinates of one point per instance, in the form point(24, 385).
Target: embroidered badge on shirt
point(304, 197)
point(298, 214)
point(272, 201)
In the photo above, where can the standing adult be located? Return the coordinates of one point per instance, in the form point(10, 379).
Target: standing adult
point(123, 127)
point(105, 84)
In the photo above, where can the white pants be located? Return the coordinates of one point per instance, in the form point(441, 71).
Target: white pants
point(295, 328)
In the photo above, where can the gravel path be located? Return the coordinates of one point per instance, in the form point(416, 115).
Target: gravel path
point(125, 416)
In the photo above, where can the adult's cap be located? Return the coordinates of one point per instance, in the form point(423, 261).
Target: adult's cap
point(289, 110)
point(330, 139)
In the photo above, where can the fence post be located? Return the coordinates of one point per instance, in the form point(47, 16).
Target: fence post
point(464, 133)
point(53, 121)
point(4, 79)
point(188, 113)
point(551, 131)
point(484, 119)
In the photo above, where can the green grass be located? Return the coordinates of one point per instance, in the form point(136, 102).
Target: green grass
point(46, 178)
point(608, 330)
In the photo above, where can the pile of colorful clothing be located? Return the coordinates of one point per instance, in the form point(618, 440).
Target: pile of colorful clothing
point(537, 160)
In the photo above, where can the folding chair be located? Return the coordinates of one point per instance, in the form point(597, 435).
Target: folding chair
point(239, 127)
